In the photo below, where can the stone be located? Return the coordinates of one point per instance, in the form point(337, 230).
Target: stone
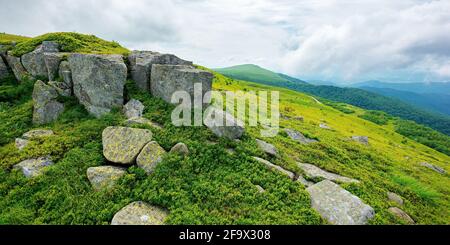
point(433, 167)
point(16, 66)
point(260, 189)
point(274, 167)
point(52, 62)
point(223, 124)
point(104, 177)
point(401, 215)
point(299, 118)
point(150, 156)
point(37, 133)
point(134, 108)
point(98, 81)
point(297, 136)
point(315, 172)
point(304, 182)
point(141, 63)
point(21, 143)
point(140, 213)
point(395, 198)
point(168, 79)
point(34, 62)
point(60, 88)
point(180, 149)
point(122, 145)
point(66, 75)
point(142, 121)
point(4, 72)
point(324, 126)
point(46, 108)
point(33, 167)
point(50, 47)
point(338, 206)
point(361, 139)
point(267, 148)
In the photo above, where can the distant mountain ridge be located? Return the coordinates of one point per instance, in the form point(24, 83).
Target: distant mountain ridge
point(428, 88)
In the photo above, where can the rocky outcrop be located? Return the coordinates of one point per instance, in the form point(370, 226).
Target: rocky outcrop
point(98, 81)
point(395, 198)
point(297, 136)
point(65, 74)
point(267, 148)
point(141, 63)
point(433, 167)
point(61, 88)
point(315, 172)
point(4, 72)
point(16, 66)
point(33, 167)
point(223, 124)
point(276, 168)
point(133, 109)
point(338, 206)
point(46, 108)
point(150, 156)
point(140, 213)
point(104, 177)
point(122, 145)
point(180, 149)
point(52, 62)
point(34, 62)
point(400, 214)
point(361, 139)
point(142, 121)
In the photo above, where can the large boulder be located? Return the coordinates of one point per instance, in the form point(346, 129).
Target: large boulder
point(4, 72)
point(122, 145)
point(34, 62)
point(266, 147)
point(297, 136)
point(315, 172)
point(338, 206)
point(276, 168)
point(16, 66)
point(140, 213)
point(141, 65)
point(168, 79)
point(33, 167)
point(98, 81)
point(223, 124)
point(150, 156)
point(46, 108)
point(134, 108)
point(104, 177)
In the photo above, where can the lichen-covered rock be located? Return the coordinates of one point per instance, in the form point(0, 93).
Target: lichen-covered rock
point(34, 62)
point(150, 156)
point(16, 66)
point(21, 143)
point(141, 65)
point(140, 213)
point(361, 139)
point(104, 177)
point(180, 149)
point(65, 73)
point(46, 108)
point(297, 136)
point(60, 88)
point(168, 79)
point(143, 121)
point(274, 167)
point(304, 182)
point(98, 81)
point(316, 172)
point(33, 167)
point(122, 145)
point(4, 72)
point(223, 124)
point(134, 108)
point(433, 167)
point(37, 133)
point(267, 148)
point(52, 62)
point(395, 198)
point(338, 206)
point(401, 215)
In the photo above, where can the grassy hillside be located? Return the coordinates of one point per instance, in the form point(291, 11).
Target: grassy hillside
point(6, 39)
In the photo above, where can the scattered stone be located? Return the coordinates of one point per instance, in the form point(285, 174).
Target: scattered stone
point(433, 167)
point(299, 118)
point(315, 172)
point(4, 72)
point(338, 206)
point(181, 149)
point(274, 167)
point(395, 198)
point(134, 108)
point(267, 148)
point(122, 145)
point(324, 126)
point(16, 66)
point(150, 156)
point(223, 124)
point(46, 108)
point(140, 213)
point(33, 167)
point(297, 136)
point(21, 143)
point(401, 215)
point(361, 139)
point(260, 189)
point(104, 177)
point(98, 81)
point(304, 182)
point(144, 121)
point(37, 133)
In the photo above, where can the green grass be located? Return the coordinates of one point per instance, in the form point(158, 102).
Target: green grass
point(251, 72)
point(7, 39)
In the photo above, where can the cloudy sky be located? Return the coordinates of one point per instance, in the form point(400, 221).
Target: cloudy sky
point(335, 40)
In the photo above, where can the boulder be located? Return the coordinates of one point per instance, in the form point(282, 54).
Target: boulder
point(433, 167)
point(297, 136)
point(150, 156)
point(276, 168)
point(104, 177)
point(267, 148)
point(361, 139)
point(315, 172)
point(304, 182)
point(395, 198)
point(134, 108)
point(33, 167)
point(21, 143)
point(46, 108)
point(140, 213)
point(4, 72)
point(34, 62)
point(98, 81)
point(122, 145)
point(401, 215)
point(16, 67)
point(50, 47)
point(338, 206)
point(223, 124)
point(143, 121)
point(299, 118)
point(52, 62)
point(180, 149)
point(65, 74)
point(61, 88)
point(141, 65)
point(168, 79)
point(37, 133)
point(324, 126)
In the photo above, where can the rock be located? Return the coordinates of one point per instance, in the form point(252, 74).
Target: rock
point(168, 79)
point(140, 213)
point(33, 167)
point(16, 66)
point(267, 148)
point(141, 65)
point(34, 62)
point(50, 47)
point(104, 177)
point(314, 172)
point(338, 206)
point(4, 72)
point(395, 198)
point(46, 108)
point(401, 215)
point(52, 61)
point(144, 121)
point(150, 156)
point(260, 189)
point(223, 124)
point(433, 167)
point(297, 136)
point(98, 81)
point(180, 149)
point(304, 182)
point(299, 118)
point(274, 167)
point(21, 143)
point(61, 88)
point(361, 139)
point(324, 126)
point(122, 145)
point(37, 133)
point(66, 75)
point(134, 108)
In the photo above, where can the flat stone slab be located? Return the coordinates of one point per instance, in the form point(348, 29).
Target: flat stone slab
point(267, 148)
point(297, 136)
point(33, 167)
point(316, 172)
point(338, 206)
point(104, 177)
point(433, 167)
point(140, 213)
point(274, 167)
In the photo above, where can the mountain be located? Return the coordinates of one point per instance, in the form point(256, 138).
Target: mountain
point(418, 88)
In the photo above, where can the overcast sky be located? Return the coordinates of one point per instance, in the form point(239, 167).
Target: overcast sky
point(333, 40)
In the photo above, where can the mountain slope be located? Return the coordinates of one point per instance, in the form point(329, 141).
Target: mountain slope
point(433, 88)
